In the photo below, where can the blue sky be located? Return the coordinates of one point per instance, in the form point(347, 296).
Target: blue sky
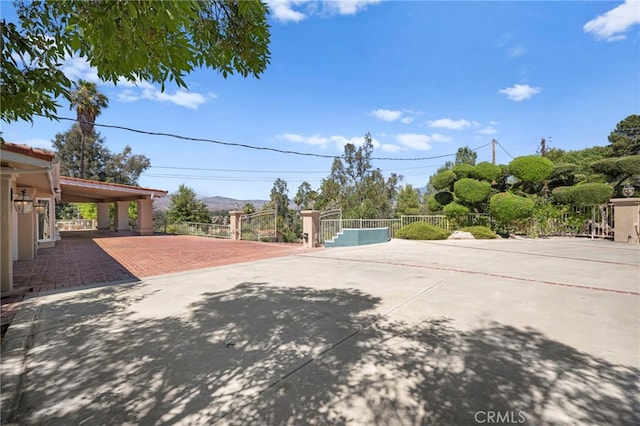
point(423, 77)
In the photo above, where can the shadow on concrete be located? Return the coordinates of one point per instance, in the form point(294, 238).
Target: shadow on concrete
point(263, 354)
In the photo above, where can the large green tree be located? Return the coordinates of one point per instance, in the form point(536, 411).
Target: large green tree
point(100, 163)
point(88, 103)
point(408, 201)
point(132, 40)
point(185, 207)
point(466, 155)
point(625, 138)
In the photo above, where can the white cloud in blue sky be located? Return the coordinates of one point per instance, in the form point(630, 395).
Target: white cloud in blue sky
point(451, 124)
point(520, 92)
point(612, 25)
point(299, 10)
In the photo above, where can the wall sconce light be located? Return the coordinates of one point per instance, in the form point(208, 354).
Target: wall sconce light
point(41, 207)
point(23, 204)
point(628, 190)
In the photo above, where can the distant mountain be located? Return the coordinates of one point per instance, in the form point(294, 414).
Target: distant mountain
point(212, 203)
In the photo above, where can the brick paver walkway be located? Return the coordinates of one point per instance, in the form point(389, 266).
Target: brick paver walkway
point(83, 258)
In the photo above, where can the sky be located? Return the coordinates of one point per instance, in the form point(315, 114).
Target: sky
point(422, 77)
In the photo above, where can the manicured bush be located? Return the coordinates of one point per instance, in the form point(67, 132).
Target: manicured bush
point(506, 207)
point(531, 168)
point(561, 195)
point(471, 190)
point(612, 167)
point(433, 205)
point(487, 171)
point(422, 231)
point(444, 197)
point(455, 210)
point(480, 232)
point(463, 170)
point(443, 180)
point(590, 193)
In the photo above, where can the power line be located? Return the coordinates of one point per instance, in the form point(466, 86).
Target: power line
point(506, 152)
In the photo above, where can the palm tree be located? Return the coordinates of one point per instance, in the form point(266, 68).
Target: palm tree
point(88, 103)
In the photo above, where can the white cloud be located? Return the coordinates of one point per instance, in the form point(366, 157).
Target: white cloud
point(437, 137)
point(36, 143)
point(447, 123)
point(488, 130)
point(612, 24)
point(387, 147)
point(406, 120)
point(309, 140)
point(180, 97)
point(414, 141)
point(298, 10)
point(493, 123)
point(520, 92)
point(341, 141)
point(76, 68)
point(386, 114)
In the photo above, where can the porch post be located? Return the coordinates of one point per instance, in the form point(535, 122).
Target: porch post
point(6, 214)
point(103, 216)
point(27, 233)
point(145, 217)
point(310, 228)
point(234, 222)
point(122, 215)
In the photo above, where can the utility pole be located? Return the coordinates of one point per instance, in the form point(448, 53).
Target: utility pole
point(493, 151)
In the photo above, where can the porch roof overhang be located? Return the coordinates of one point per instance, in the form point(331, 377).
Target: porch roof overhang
point(76, 190)
point(30, 168)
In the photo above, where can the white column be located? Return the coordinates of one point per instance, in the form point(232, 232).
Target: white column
point(6, 244)
point(103, 216)
point(145, 217)
point(122, 215)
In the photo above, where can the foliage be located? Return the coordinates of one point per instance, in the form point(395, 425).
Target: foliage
point(561, 195)
point(356, 187)
point(443, 197)
point(506, 207)
point(564, 174)
point(583, 158)
point(305, 196)
point(617, 170)
point(135, 41)
point(432, 205)
point(455, 210)
point(547, 216)
point(480, 232)
point(625, 138)
point(248, 208)
point(408, 201)
point(184, 207)
point(466, 155)
point(422, 231)
point(531, 168)
point(443, 180)
point(472, 191)
point(280, 198)
point(87, 210)
point(100, 163)
point(590, 193)
point(463, 170)
point(487, 171)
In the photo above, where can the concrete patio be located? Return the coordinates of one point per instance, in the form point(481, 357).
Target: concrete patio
point(449, 332)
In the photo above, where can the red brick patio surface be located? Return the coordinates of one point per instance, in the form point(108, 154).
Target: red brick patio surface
point(83, 258)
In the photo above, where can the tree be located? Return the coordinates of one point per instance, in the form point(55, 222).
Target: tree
point(248, 208)
point(531, 168)
point(280, 198)
point(184, 207)
point(304, 196)
point(100, 163)
point(625, 138)
point(125, 40)
point(465, 155)
point(88, 103)
point(408, 201)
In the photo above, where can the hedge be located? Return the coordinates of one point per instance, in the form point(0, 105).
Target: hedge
point(531, 168)
point(506, 207)
point(443, 197)
point(433, 205)
point(480, 232)
point(422, 231)
point(472, 190)
point(463, 170)
point(561, 195)
point(590, 193)
point(454, 210)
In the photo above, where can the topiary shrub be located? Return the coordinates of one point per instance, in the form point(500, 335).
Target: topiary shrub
point(561, 195)
point(471, 190)
point(531, 168)
point(480, 232)
point(422, 231)
point(443, 180)
point(443, 198)
point(463, 170)
point(433, 205)
point(487, 171)
point(506, 207)
point(590, 193)
point(455, 210)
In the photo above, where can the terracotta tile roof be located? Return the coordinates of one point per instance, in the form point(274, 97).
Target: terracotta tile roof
point(27, 150)
point(95, 182)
